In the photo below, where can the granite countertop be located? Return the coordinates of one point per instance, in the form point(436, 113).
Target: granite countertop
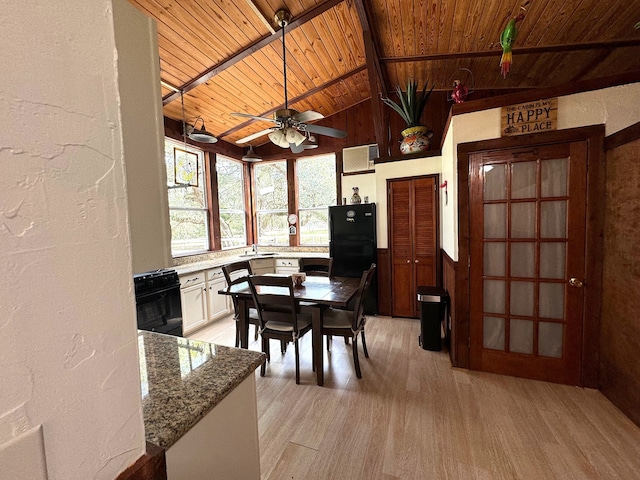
point(182, 380)
point(218, 262)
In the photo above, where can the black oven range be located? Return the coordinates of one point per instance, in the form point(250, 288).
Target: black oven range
point(158, 304)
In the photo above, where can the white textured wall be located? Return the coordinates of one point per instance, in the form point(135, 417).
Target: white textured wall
point(68, 355)
point(615, 107)
point(401, 169)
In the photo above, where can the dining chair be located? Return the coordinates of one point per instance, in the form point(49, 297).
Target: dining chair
point(317, 266)
point(279, 314)
point(350, 323)
point(235, 273)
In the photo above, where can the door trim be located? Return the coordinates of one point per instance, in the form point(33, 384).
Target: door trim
point(594, 138)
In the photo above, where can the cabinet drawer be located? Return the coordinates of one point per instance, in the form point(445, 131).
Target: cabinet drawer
point(287, 262)
point(214, 274)
point(190, 279)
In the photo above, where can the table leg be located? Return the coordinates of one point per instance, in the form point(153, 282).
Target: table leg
point(316, 341)
point(243, 306)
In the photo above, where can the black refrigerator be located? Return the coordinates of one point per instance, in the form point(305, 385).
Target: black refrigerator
point(353, 245)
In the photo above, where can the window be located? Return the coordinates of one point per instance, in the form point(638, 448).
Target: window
point(233, 227)
point(271, 203)
point(316, 191)
point(187, 198)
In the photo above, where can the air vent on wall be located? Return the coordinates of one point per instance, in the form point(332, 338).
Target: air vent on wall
point(359, 159)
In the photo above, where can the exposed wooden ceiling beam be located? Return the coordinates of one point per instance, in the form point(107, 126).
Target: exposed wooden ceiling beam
point(377, 82)
point(292, 101)
point(261, 16)
point(250, 50)
point(569, 47)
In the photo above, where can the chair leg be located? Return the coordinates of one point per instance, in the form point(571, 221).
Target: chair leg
point(364, 344)
point(297, 363)
point(346, 340)
point(328, 342)
point(356, 362)
point(283, 347)
point(237, 334)
point(255, 335)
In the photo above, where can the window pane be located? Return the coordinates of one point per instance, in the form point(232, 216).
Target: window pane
point(495, 220)
point(495, 182)
point(313, 227)
point(271, 186)
point(230, 184)
point(495, 255)
point(523, 180)
point(271, 197)
point(273, 229)
point(188, 231)
point(189, 228)
point(233, 231)
point(316, 181)
point(493, 333)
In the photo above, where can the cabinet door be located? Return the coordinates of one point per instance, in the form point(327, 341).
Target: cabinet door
point(260, 266)
point(217, 305)
point(194, 307)
point(425, 243)
point(401, 243)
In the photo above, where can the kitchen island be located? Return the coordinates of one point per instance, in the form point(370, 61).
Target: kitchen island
point(199, 403)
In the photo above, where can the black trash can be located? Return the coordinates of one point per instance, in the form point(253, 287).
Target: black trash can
point(433, 307)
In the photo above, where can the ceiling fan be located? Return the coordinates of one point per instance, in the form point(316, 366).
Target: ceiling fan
point(291, 129)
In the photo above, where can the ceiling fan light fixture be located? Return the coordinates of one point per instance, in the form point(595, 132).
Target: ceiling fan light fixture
point(200, 135)
point(251, 156)
point(279, 137)
point(294, 136)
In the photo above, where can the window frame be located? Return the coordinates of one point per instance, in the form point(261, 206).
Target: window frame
point(246, 200)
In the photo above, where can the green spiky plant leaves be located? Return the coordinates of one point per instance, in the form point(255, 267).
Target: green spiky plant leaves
point(412, 102)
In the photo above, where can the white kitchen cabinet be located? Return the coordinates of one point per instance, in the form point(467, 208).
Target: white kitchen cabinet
point(201, 302)
point(260, 266)
point(218, 306)
point(194, 301)
point(287, 266)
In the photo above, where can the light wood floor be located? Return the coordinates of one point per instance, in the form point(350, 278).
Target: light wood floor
point(413, 416)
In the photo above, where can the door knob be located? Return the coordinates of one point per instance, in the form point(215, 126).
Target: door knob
point(574, 282)
point(408, 261)
point(417, 261)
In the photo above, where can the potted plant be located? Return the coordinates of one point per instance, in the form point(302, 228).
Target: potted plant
point(416, 137)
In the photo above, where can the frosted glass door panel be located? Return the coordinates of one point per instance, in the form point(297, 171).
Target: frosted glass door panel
point(495, 259)
point(523, 220)
point(551, 301)
point(550, 339)
point(493, 333)
point(554, 177)
point(523, 180)
point(523, 259)
point(553, 258)
point(522, 299)
point(495, 220)
point(553, 219)
point(495, 182)
point(521, 336)
point(494, 296)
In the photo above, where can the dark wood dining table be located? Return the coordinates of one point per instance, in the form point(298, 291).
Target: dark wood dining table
point(318, 291)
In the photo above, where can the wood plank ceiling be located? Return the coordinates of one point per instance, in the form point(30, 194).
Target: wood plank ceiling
point(227, 56)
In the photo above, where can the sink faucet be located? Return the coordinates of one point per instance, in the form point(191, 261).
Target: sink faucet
point(254, 247)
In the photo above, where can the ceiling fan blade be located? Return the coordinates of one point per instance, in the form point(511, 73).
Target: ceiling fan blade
point(255, 117)
point(296, 148)
point(248, 138)
point(307, 116)
point(328, 131)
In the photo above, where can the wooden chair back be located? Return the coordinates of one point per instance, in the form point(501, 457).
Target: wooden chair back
point(318, 266)
point(274, 300)
point(235, 273)
point(358, 306)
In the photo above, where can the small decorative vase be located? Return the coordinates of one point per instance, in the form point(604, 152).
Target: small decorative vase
point(415, 139)
point(355, 198)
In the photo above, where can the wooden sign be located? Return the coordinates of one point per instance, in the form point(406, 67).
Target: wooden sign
point(530, 117)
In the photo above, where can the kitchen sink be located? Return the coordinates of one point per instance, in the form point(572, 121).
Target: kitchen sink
point(252, 254)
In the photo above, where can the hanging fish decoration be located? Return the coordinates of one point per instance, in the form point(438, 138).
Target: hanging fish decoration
point(507, 37)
